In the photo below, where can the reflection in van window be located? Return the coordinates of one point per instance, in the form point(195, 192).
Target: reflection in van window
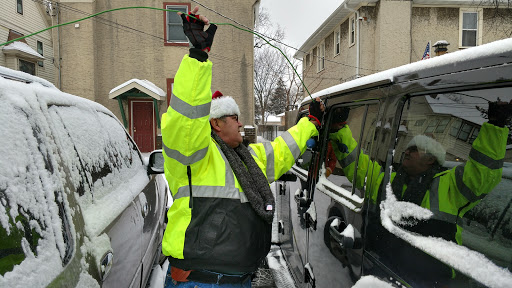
point(345, 124)
point(462, 174)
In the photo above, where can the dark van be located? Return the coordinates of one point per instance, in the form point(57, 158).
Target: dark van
point(79, 205)
point(361, 203)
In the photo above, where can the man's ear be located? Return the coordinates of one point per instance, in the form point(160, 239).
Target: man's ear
point(431, 159)
point(214, 122)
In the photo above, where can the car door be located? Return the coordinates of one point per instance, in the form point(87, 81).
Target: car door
point(338, 199)
point(109, 176)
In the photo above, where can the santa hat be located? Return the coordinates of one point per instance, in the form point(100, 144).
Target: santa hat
point(428, 145)
point(222, 106)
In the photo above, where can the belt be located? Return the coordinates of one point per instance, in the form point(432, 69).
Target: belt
point(214, 278)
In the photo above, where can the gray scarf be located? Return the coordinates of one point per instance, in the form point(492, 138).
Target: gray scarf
point(253, 181)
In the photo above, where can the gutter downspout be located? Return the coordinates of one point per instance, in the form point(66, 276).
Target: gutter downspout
point(357, 37)
point(58, 40)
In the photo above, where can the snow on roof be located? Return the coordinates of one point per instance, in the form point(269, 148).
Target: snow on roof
point(443, 105)
point(25, 77)
point(469, 54)
point(273, 119)
point(22, 47)
point(144, 84)
point(441, 42)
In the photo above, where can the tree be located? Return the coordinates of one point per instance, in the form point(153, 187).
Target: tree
point(269, 65)
point(278, 103)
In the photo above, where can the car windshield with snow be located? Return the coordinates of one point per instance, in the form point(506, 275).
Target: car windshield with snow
point(407, 180)
point(78, 206)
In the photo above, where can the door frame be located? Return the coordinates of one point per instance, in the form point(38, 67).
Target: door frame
point(130, 113)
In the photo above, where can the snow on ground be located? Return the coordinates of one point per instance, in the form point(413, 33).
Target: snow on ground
point(158, 275)
point(371, 282)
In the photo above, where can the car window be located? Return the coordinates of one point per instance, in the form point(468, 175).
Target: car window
point(458, 167)
point(99, 148)
point(35, 228)
point(347, 145)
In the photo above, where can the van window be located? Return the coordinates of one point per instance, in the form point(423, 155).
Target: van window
point(462, 174)
point(33, 209)
point(347, 144)
point(99, 149)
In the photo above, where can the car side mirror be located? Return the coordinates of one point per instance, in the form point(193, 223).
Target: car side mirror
point(156, 162)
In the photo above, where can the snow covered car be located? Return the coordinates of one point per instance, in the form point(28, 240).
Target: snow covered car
point(334, 229)
point(78, 206)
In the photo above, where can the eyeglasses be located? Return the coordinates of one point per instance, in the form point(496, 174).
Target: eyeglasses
point(234, 117)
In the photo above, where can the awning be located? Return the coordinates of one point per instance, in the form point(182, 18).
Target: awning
point(22, 50)
point(144, 86)
point(137, 88)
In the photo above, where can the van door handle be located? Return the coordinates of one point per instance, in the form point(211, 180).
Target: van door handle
point(350, 238)
point(106, 264)
point(144, 210)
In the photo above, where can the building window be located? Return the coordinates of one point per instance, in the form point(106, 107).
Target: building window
point(311, 57)
point(40, 51)
point(320, 57)
point(470, 27)
point(431, 126)
point(27, 67)
point(337, 38)
point(19, 6)
point(419, 122)
point(442, 126)
point(352, 31)
point(462, 131)
point(173, 27)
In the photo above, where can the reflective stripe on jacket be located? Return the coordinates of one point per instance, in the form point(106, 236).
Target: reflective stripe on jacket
point(452, 192)
point(221, 232)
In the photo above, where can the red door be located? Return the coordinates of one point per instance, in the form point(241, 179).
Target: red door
point(142, 115)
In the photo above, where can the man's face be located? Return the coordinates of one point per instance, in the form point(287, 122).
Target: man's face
point(227, 127)
point(416, 162)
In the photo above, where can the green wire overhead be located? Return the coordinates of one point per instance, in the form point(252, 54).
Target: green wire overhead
point(167, 10)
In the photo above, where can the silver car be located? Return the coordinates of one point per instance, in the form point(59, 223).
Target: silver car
point(78, 205)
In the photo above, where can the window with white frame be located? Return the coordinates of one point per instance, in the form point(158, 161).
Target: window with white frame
point(19, 6)
point(40, 51)
point(337, 38)
point(352, 31)
point(320, 57)
point(173, 26)
point(470, 27)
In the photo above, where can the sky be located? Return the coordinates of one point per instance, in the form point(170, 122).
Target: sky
point(297, 18)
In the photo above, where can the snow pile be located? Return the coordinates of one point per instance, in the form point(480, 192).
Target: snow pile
point(371, 282)
point(465, 260)
point(279, 268)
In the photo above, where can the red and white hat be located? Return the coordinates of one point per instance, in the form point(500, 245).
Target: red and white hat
point(222, 106)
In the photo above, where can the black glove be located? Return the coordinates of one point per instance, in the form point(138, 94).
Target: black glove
point(499, 113)
point(193, 29)
point(315, 112)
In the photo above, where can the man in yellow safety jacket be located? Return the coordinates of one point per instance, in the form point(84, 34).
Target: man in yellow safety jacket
point(219, 225)
point(420, 179)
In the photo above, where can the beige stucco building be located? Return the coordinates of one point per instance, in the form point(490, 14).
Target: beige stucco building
point(100, 53)
point(127, 59)
point(364, 37)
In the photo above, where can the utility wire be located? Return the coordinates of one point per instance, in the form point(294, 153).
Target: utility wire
point(279, 41)
point(133, 30)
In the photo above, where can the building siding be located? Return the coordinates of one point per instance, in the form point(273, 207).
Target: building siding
point(32, 20)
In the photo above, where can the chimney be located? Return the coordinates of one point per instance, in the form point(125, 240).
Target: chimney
point(441, 47)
